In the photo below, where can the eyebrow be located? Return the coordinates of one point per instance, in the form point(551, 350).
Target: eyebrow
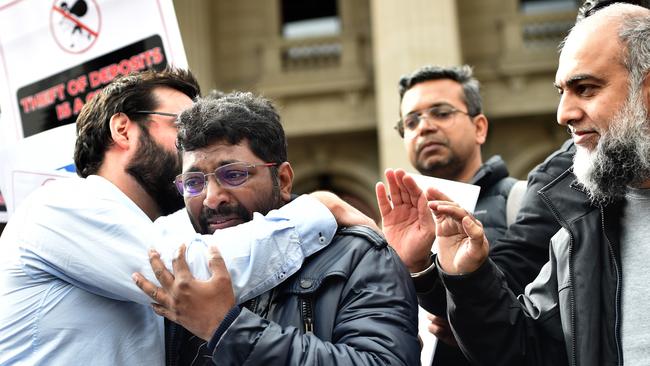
point(196, 169)
point(437, 104)
point(572, 81)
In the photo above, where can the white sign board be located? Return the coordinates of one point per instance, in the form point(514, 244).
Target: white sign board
point(56, 54)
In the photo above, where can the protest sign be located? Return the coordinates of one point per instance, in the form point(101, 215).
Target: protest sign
point(55, 55)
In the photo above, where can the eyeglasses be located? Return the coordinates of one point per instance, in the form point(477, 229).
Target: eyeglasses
point(230, 175)
point(441, 114)
point(167, 114)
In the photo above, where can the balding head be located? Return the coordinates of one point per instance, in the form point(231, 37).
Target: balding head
point(602, 79)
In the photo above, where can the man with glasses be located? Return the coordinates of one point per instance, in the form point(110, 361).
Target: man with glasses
point(352, 303)
point(69, 250)
point(443, 128)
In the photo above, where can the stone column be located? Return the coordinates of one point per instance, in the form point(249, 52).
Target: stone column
point(407, 34)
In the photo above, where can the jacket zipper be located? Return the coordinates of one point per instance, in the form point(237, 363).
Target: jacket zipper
point(617, 325)
point(574, 357)
point(307, 315)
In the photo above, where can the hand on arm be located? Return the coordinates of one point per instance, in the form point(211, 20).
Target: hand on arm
point(440, 328)
point(407, 222)
point(199, 306)
point(344, 213)
point(462, 246)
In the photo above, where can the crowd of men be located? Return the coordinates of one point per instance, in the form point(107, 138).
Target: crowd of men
point(181, 243)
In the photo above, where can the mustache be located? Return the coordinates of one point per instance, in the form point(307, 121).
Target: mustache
point(226, 210)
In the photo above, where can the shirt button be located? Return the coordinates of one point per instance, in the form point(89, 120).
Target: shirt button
point(321, 240)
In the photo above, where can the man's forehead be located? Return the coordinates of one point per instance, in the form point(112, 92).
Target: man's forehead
point(589, 52)
point(217, 154)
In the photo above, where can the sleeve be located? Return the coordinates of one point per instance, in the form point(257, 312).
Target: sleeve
point(523, 250)
point(375, 324)
point(494, 327)
point(279, 243)
point(96, 243)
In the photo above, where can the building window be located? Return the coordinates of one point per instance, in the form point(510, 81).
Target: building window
point(544, 6)
point(310, 18)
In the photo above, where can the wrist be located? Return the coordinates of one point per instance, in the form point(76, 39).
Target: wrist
point(421, 265)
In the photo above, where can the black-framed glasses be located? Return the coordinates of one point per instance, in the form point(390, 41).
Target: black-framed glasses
point(167, 114)
point(230, 175)
point(441, 114)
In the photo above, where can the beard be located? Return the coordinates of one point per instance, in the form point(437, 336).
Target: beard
point(236, 210)
point(155, 169)
point(621, 158)
point(448, 168)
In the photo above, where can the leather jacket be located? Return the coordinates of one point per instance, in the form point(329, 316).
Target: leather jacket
point(352, 303)
point(569, 314)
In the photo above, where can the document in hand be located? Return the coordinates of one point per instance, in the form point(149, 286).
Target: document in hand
point(466, 196)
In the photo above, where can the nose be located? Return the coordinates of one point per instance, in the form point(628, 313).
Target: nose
point(568, 111)
point(215, 194)
point(426, 124)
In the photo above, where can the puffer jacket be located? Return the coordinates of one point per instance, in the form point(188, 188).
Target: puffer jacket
point(353, 303)
point(495, 185)
point(569, 314)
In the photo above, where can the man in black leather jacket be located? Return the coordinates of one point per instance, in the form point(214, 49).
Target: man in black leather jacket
point(352, 303)
point(582, 308)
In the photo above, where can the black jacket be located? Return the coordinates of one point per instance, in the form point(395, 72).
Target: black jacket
point(569, 313)
point(352, 303)
point(522, 250)
point(495, 183)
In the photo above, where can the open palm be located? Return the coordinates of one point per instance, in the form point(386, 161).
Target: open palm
point(407, 221)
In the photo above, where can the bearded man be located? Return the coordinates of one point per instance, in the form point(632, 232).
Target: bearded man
point(69, 250)
point(588, 304)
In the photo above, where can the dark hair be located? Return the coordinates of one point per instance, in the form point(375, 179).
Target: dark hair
point(589, 7)
point(461, 74)
point(232, 118)
point(126, 95)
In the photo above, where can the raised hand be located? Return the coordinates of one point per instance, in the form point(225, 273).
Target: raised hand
point(407, 221)
point(199, 306)
point(462, 246)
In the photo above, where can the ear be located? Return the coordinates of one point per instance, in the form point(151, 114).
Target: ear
point(285, 178)
point(481, 124)
point(120, 126)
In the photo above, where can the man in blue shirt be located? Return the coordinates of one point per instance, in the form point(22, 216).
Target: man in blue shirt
point(69, 250)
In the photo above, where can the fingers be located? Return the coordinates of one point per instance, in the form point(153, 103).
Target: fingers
point(412, 188)
point(393, 187)
point(473, 229)
point(434, 194)
point(406, 197)
point(382, 199)
point(157, 294)
point(451, 209)
point(162, 311)
point(179, 263)
point(165, 277)
point(217, 264)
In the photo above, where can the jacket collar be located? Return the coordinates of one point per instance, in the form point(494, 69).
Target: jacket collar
point(492, 171)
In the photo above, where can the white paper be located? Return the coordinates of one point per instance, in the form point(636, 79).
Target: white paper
point(464, 194)
point(53, 58)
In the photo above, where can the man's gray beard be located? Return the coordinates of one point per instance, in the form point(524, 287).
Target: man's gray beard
point(621, 157)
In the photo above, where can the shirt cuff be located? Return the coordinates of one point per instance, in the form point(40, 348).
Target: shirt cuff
point(230, 317)
point(313, 222)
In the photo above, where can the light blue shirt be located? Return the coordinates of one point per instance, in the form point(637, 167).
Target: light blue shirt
point(66, 293)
